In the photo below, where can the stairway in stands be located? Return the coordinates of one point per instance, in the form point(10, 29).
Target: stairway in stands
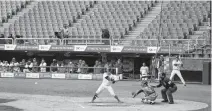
point(144, 23)
point(6, 26)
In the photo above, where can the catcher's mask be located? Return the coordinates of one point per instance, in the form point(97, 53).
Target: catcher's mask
point(144, 82)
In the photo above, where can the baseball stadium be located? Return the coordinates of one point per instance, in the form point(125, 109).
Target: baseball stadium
point(60, 55)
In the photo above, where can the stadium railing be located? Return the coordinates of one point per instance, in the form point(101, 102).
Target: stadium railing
point(161, 42)
point(37, 41)
point(56, 69)
point(100, 41)
point(88, 41)
point(6, 41)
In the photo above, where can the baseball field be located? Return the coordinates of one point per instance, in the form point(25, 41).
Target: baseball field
point(75, 95)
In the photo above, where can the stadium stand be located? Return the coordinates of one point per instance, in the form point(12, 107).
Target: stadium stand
point(180, 21)
point(10, 8)
point(177, 19)
point(48, 17)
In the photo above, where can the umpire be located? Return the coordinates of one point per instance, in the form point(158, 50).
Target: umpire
point(169, 88)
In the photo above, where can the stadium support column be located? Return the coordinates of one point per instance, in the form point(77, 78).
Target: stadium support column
point(206, 73)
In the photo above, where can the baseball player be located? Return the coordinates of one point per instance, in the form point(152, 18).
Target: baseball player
point(150, 94)
point(176, 64)
point(144, 70)
point(108, 80)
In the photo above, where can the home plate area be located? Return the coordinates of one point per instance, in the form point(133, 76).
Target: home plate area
point(28, 102)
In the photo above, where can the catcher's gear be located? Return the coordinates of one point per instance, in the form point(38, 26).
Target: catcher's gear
point(144, 82)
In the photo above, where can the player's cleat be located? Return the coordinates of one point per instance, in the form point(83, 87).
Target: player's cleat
point(184, 84)
point(164, 101)
point(133, 94)
point(152, 102)
point(120, 102)
point(142, 100)
point(171, 102)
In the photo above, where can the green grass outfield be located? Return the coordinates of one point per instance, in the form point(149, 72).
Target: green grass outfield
point(75, 95)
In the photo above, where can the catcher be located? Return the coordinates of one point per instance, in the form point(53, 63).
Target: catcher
point(150, 94)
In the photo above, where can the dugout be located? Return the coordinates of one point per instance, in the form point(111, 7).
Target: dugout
point(49, 56)
point(131, 61)
point(195, 70)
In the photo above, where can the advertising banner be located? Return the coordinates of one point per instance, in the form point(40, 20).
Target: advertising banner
point(32, 75)
point(153, 49)
point(84, 76)
point(58, 76)
point(45, 75)
point(26, 47)
point(62, 48)
point(44, 47)
point(2, 46)
point(116, 48)
point(9, 47)
point(134, 49)
point(7, 74)
point(173, 50)
point(20, 75)
point(100, 48)
point(92, 48)
point(80, 47)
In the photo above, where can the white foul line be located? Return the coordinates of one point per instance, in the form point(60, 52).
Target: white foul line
point(77, 104)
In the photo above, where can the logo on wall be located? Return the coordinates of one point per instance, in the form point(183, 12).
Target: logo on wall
point(153, 49)
point(44, 47)
point(116, 48)
point(9, 47)
point(80, 47)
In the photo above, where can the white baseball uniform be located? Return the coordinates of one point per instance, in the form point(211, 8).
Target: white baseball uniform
point(144, 71)
point(106, 84)
point(176, 70)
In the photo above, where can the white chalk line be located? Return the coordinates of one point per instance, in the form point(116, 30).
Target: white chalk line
point(77, 104)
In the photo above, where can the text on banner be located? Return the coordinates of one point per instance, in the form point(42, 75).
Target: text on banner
point(9, 47)
point(44, 47)
point(7, 74)
point(84, 76)
point(80, 47)
point(153, 49)
point(32, 75)
point(116, 48)
point(58, 76)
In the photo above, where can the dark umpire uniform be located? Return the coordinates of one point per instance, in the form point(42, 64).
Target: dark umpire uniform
point(169, 88)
